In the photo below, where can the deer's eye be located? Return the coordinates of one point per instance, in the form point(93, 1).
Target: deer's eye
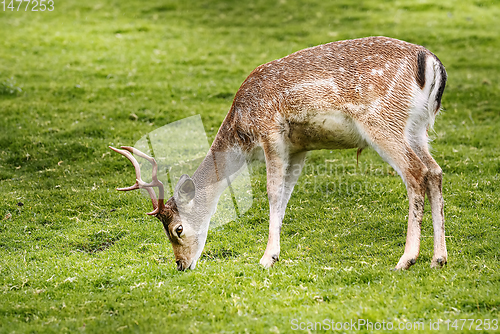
point(179, 230)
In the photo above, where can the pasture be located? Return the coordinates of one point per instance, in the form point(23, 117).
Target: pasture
point(78, 256)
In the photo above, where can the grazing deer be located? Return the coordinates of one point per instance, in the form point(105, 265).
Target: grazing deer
point(376, 91)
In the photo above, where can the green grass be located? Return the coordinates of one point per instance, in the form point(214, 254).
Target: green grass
point(79, 256)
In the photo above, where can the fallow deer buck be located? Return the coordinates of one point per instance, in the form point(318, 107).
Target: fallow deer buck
point(375, 91)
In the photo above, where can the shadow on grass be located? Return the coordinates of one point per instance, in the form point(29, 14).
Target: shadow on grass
point(99, 242)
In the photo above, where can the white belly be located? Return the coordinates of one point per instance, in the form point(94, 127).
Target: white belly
point(324, 130)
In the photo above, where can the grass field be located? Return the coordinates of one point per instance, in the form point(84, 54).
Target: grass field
point(77, 256)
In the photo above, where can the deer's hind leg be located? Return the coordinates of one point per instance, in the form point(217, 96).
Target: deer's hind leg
point(396, 151)
point(434, 192)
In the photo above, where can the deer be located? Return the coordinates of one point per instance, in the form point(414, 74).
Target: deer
point(373, 92)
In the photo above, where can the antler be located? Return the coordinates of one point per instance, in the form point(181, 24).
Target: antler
point(158, 205)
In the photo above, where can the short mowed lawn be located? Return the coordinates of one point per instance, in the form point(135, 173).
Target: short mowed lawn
point(78, 256)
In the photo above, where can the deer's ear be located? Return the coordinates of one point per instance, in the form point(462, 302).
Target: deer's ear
point(184, 190)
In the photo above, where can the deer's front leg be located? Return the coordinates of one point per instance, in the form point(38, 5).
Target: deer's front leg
point(276, 167)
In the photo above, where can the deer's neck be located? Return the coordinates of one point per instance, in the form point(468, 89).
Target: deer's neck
point(222, 165)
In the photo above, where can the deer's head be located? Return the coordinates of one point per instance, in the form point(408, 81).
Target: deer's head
point(182, 220)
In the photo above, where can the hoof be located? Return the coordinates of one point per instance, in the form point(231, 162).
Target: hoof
point(438, 262)
point(405, 263)
point(268, 261)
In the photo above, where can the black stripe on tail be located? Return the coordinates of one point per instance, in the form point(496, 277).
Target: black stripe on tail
point(421, 69)
point(442, 84)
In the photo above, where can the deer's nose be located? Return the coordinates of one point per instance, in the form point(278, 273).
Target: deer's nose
point(179, 265)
